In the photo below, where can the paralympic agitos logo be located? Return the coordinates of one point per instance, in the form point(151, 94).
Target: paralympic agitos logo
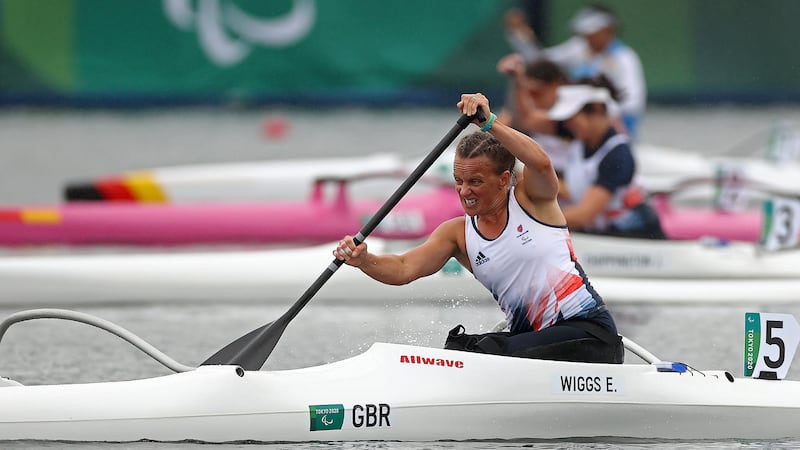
point(331, 416)
point(227, 33)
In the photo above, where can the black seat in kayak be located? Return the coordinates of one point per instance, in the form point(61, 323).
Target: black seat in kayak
point(602, 348)
point(583, 350)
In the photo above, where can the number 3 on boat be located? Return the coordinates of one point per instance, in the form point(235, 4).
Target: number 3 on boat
point(781, 224)
point(770, 341)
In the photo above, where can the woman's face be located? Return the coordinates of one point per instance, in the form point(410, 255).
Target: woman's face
point(599, 40)
point(578, 125)
point(480, 189)
point(589, 126)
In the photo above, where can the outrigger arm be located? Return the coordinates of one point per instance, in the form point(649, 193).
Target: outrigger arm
point(136, 341)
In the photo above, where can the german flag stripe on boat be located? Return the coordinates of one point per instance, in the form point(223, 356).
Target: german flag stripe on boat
point(32, 216)
point(133, 187)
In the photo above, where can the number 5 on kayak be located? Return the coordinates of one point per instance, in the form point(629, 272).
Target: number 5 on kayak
point(770, 341)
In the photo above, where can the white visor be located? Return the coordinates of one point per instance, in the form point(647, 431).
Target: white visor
point(572, 98)
point(589, 20)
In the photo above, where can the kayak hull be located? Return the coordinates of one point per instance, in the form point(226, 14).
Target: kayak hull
point(408, 393)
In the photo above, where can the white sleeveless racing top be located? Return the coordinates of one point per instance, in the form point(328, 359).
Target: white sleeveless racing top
point(531, 271)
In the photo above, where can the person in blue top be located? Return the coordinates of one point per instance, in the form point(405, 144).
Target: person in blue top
point(599, 193)
point(596, 49)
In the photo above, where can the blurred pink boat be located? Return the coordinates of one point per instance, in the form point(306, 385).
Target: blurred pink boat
point(321, 218)
point(695, 222)
point(316, 220)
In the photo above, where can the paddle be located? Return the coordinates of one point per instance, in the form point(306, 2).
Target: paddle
point(252, 350)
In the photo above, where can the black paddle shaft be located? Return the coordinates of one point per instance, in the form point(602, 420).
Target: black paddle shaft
point(252, 350)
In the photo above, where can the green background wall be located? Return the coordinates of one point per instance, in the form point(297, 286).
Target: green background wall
point(130, 52)
point(699, 50)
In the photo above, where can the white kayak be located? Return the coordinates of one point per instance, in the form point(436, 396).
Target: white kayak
point(208, 275)
point(621, 269)
point(289, 179)
point(701, 259)
point(660, 169)
point(704, 271)
point(664, 168)
point(410, 393)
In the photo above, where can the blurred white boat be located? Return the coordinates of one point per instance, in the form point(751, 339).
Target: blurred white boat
point(211, 275)
point(661, 169)
point(622, 270)
point(290, 179)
